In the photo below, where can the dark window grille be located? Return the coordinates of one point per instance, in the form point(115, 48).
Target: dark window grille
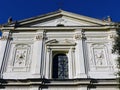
point(60, 66)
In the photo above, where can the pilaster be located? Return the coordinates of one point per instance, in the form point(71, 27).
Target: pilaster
point(79, 54)
point(37, 55)
point(4, 41)
point(83, 87)
point(35, 88)
point(111, 37)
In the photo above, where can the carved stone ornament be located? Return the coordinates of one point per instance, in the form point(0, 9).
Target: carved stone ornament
point(21, 57)
point(39, 37)
point(112, 36)
point(61, 21)
point(4, 38)
point(99, 56)
point(79, 36)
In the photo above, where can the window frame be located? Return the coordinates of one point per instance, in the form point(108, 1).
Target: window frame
point(68, 49)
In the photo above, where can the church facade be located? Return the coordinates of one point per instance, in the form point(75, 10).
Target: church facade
point(58, 51)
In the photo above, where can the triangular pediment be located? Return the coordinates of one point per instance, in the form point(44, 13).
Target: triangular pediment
point(63, 18)
point(64, 21)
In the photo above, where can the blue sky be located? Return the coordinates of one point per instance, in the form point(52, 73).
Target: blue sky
point(21, 9)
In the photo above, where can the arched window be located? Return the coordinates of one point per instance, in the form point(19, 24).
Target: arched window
point(60, 66)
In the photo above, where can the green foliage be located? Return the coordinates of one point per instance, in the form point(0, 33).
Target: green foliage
point(116, 50)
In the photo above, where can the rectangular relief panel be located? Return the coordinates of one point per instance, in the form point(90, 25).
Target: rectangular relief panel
point(99, 57)
point(21, 57)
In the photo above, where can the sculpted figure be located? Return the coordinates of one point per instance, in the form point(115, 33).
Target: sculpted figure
point(99, 57)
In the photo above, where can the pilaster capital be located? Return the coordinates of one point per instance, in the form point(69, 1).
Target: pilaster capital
point(112, 35)
point(79, 34)
point(38, 36)
point(6, 37)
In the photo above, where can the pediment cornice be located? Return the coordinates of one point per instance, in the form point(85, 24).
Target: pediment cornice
point(60, 14)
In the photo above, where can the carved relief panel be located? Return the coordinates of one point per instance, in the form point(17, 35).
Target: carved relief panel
point(99, 57)
point(21, 60)
point(20, 57)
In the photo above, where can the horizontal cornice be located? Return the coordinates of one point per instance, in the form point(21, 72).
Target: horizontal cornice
point(58, 82)
point(104, 27)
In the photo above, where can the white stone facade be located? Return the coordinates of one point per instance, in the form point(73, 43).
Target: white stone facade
point(27, 49)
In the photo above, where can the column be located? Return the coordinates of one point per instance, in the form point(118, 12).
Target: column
point(37, 55)
point(3, 48)
point(79, 55)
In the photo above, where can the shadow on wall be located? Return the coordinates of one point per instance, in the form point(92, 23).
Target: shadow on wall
point(1, 82)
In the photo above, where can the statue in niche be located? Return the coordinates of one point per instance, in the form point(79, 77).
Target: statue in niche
point(99, 57)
